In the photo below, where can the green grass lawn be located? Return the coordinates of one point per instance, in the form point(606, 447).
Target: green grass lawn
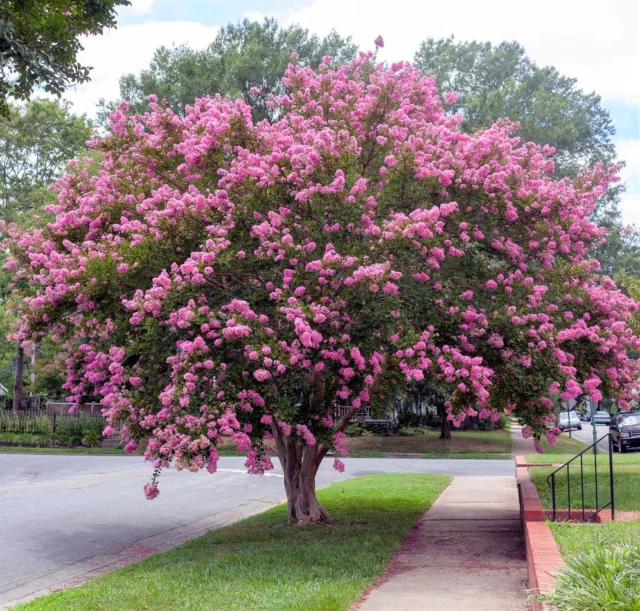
point(575, 538)
point(29, 450)
point(626, 482)
point(265, 563)
point(463, 444)
point(564, 445)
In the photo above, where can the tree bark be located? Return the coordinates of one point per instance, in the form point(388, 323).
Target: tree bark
point(445, 426)
point(18, 382)
point(300, 465)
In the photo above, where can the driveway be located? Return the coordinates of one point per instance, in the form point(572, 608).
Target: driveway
point(68, 518)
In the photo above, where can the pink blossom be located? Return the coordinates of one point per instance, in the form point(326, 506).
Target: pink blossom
point(151, 491)
point(261, 375)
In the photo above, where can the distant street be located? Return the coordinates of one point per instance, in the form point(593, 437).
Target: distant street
point(586, 434)
point(65, 518)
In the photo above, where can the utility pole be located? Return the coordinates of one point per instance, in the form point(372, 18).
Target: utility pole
point(593, 424)
point(18, 382)
point(32, 374)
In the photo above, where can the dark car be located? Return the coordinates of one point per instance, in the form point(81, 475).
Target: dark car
point(625, 430)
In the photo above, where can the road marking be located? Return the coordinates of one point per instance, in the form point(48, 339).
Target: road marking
point(243, 471)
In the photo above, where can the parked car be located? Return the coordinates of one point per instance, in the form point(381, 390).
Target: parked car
point(568, 421)
point(602, 417)
point(625, 430)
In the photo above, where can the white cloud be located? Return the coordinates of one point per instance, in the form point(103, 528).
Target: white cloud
point(129, 49)
point(596, 41)
point(630, 206)
point(629, 152)
point(141, 7)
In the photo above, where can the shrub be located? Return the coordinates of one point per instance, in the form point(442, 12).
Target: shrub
point(92, 431)
point(355, 430)
point(414, 431)
point(73, 431)
point(24, 439)
point(411, 419)
point(602, 578)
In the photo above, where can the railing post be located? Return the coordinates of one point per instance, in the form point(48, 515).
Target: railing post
point(553, 495)
point(569, 488)
point(611, 486)
point(595, 466)
point(582, 485)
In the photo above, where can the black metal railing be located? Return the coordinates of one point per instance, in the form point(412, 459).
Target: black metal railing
point(556, 481)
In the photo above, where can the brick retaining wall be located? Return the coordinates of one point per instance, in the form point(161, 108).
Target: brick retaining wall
point(543, 556)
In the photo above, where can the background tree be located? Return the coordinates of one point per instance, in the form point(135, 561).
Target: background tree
point(242, 57)
point(501, 81)
point(36, 142)
point(235, 281)
point(39, 43)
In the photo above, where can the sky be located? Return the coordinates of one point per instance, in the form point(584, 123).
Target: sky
point(595, 41)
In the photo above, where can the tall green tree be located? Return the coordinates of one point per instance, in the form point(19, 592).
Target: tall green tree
point(40, 41)
point(36, 142)
point(495, 81)
point(242, 56)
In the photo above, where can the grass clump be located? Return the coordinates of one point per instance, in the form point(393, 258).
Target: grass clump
point(601, 579)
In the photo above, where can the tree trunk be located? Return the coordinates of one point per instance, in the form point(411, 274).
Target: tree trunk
point(18, 382)
point(445, 426)
point(300, 464)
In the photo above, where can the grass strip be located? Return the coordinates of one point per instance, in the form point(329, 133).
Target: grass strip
point(575, 538)
point(264, 562)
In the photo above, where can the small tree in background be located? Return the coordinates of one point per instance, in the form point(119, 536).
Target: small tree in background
point(225, 280)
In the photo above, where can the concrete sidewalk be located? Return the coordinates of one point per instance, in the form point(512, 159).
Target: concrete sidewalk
point(519, 445)
point(466, 554)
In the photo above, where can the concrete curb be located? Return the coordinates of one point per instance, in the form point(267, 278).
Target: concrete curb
point(543, 556)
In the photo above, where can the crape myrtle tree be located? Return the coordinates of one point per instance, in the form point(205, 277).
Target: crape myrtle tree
point(225, 281)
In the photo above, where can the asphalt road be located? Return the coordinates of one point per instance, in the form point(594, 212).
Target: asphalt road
point(586, 434)
point(67, 518)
